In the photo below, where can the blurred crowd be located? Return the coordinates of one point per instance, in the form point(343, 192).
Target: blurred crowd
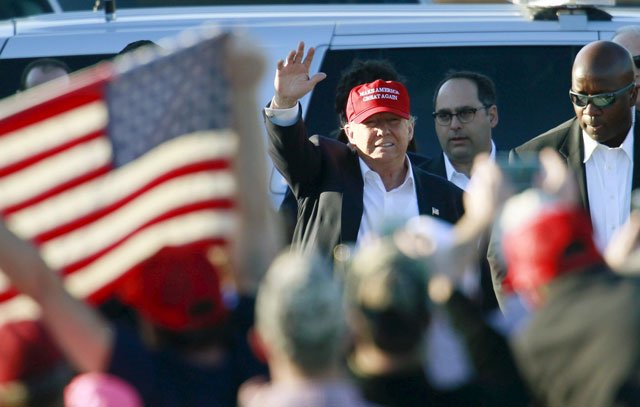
point(474, 277)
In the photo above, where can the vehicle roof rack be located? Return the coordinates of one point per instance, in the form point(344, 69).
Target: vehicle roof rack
point(554, 10)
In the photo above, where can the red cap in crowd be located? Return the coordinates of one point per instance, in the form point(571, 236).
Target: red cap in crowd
point(177, 289)
point(558, 241)
point(26, 351)
point(377, 97)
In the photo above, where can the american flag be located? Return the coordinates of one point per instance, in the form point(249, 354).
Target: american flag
point(95, 175)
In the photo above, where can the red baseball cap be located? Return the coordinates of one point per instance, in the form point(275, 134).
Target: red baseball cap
point(376, 97)
point(177, 289)
point(556, 242)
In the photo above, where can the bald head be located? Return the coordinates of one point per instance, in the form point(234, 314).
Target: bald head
point(603, 60)
point(604, 67)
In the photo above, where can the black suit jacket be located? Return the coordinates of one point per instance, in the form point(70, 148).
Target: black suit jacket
point(581, 346)
point(324, 175)
point(434, 165)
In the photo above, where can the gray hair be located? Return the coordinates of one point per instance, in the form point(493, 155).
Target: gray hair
point(300, 313)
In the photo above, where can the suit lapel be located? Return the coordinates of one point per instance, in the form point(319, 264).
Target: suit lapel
point(352, 206)
point(424, 204)
point(573, 151)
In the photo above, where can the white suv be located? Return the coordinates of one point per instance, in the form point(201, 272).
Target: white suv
point(529, 58)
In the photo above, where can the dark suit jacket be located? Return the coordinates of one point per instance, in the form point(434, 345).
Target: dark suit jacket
point(324, 175)
point(567, 140)
point(581, 346)
point(434, 165)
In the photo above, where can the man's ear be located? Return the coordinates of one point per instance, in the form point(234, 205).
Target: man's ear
point(493, 116)
point(258, 347)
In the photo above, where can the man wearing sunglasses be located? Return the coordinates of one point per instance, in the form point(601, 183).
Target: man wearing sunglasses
point(598, 144)
point(629, 37)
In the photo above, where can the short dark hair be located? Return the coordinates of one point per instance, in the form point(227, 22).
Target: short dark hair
point(45, 63)
point(135, 45)
point(484, 84)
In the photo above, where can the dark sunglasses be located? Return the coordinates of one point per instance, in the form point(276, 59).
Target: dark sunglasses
point(600, 100)
point(636, 61)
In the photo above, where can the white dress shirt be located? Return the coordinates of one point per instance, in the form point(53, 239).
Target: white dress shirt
point(384, 209)
point(459, 179)
point(609, 176)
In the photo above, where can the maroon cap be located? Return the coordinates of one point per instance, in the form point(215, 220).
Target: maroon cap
point(26, 351)
point(377, 97)
point(176, 289)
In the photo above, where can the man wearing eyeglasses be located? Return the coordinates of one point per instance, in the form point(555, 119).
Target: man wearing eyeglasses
point(465, 113)
point(629, 37)
point(598, 144)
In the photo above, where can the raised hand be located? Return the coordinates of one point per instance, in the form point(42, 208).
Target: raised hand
point(292, 79)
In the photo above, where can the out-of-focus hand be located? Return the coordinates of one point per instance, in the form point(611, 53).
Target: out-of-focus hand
point(486, 193)
point(623, 252)
point(556, 178)
point(292, 79)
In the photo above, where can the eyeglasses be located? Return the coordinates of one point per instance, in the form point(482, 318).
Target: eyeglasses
point(465, 115)
point(636, 61)
point(600, 100)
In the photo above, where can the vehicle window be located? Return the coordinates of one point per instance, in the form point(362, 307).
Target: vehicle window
point(12, 69)
point(21, 8)
point(532, 83)
point(69, 5)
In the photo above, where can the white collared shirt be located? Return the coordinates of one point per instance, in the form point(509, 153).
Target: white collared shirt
point(457, 178)
point(609, 176)
point(382, 208)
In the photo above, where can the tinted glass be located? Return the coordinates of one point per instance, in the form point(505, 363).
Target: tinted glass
point(531, 83)
point(21, 8)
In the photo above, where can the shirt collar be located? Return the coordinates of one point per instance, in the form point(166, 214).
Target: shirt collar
point(451, 171)
point(364, 170)
point(590, 145)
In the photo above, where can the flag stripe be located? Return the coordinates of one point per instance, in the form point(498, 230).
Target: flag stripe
point(173, 232)
point(54, 175)
point(52, 135)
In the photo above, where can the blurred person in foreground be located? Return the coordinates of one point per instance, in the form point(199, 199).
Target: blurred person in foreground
point(393, 286)
point(346, 192)
point(301, 331)
point(581, 345)
point(100, 390)
point(33, 370)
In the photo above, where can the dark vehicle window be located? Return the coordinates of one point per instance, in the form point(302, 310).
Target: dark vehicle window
point(532, 84)
point(12, 69)
point(86, 4)
point(21, 8)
